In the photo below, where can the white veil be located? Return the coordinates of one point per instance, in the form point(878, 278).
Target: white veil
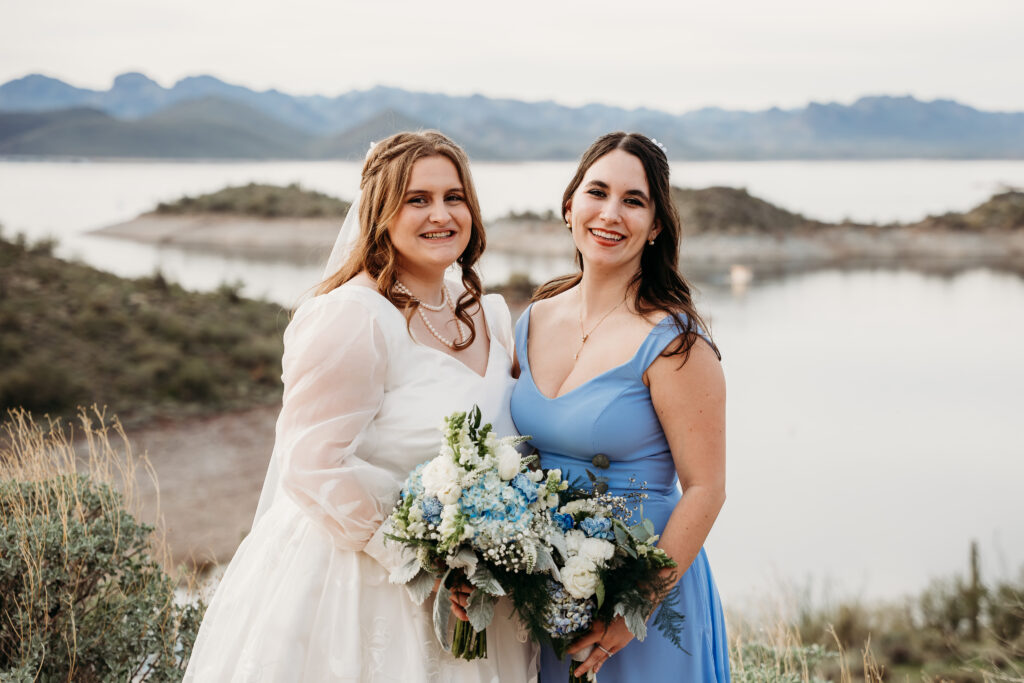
point(342, 246)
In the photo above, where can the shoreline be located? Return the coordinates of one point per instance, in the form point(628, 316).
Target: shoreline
point(706, 253)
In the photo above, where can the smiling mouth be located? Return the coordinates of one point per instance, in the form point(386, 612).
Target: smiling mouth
point(605, 235)
point(439, 235)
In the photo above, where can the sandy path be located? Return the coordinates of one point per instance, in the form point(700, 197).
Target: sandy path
point(210, 471)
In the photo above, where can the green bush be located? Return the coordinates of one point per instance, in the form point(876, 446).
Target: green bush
point(757, 662)
point(82, 594)
point(71, 334)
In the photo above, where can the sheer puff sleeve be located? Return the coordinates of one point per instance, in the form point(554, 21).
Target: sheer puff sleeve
point(334, 370)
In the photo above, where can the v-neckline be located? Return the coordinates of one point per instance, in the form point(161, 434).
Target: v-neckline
point(417, 342)
point(620, 366)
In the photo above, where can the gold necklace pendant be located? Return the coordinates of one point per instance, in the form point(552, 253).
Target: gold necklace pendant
point(584, 335)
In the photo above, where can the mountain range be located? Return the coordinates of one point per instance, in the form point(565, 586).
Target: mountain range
point(204, 117)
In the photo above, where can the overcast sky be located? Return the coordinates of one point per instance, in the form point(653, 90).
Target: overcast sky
point(669, 55)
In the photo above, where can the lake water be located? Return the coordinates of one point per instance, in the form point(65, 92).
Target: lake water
point(874, 415)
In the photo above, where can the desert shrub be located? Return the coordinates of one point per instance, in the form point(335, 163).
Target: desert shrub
point(194, 380)
point(39, 384)
point(1005, 607)
point(944, 607)
point(70, 334)
point(518, 288)
point(759, 662)
point(83, 593)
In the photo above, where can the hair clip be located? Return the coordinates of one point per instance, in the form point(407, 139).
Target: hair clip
point(660, 146)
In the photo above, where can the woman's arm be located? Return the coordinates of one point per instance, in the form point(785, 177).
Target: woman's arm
point(690, 404)
point(334, 365)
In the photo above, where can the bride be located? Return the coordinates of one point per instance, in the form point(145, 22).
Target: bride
point(371, 365)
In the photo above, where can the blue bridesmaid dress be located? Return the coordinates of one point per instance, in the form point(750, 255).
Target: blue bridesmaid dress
point(612, 414)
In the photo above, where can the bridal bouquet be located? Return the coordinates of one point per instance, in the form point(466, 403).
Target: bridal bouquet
point(479, 510)
point(606, 568)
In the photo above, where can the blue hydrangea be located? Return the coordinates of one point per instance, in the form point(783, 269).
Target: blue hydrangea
point(566, 616)
point(525, 486)
point(564, 520)
point(414, 483)
point(598, 527)
point(432, 510)
point(495, 516)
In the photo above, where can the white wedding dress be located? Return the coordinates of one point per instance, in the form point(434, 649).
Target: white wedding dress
point(306, 596)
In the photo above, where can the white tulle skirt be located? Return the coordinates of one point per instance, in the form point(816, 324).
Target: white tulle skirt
point(293, 607)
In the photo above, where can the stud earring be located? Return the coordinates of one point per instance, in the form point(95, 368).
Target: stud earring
point(651, 241)
point(568, 226)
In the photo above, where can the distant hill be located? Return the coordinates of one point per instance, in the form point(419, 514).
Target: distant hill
point(1002, 212)
point(264, 201)
point(73, 335)
point(317, 126)
point(205, 128)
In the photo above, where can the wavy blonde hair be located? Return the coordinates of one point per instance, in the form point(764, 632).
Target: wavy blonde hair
point(384, 182)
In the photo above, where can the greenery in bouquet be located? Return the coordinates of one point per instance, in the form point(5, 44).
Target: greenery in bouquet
point(606, 567)
point(475, 512)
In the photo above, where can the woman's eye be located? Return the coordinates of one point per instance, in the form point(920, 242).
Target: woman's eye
point(455, 198)
point(595, 193)
point(418, 201)
point(635, 202)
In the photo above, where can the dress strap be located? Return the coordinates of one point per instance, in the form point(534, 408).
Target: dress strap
point(499, 321)
point(522, 335)
point(658, 339)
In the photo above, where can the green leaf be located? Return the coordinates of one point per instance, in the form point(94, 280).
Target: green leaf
point(419, 588)
point(634, 618)
point(442, 608)
point(483, 579)
point(621, 535)
point(640, 533)
point(406, 572)
point(480, 610)
point(545, 562)
point(465, 559)
point(557, 542)
point(600, 593)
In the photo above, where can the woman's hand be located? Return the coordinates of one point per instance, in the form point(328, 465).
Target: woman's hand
point(458, 596)
point(606, 639)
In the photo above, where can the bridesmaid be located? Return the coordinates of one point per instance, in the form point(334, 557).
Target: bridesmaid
point(620, 377)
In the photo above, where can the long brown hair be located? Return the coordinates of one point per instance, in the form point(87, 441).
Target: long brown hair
point(384, 182)
point(659, 284)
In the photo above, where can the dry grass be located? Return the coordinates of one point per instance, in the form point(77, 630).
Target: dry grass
point(85, 595)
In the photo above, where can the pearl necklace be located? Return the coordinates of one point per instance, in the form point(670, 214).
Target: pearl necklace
point(446, 300)
point(430, 307)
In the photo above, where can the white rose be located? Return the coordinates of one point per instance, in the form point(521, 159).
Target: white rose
point(440, 473)
point(579, 576)
point(574, 506)
point(449, 494)
point(597, 550)
point(535, 476)
point(508, 461)
point(574, 540)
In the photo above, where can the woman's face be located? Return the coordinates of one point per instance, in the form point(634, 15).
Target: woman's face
point(433, 226)
point(611, 212)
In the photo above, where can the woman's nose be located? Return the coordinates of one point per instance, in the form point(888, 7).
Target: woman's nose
point(610, 212)
point(439, 214)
